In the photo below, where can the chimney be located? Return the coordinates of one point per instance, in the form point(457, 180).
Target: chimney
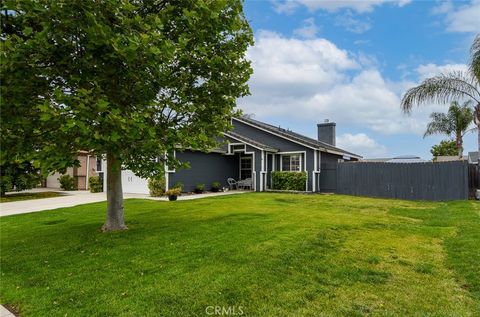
point(326, 132)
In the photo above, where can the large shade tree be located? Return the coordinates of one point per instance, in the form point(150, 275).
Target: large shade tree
point(455, 123)
point(128, 80)
point(448, 87)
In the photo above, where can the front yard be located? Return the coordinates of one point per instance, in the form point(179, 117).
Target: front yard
point(10, 197)
point(262, 254)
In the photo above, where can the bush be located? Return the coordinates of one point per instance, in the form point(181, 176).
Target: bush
point(178, 185)
point(216, 186)
point(95, 184)
point(157, 186)
point(289, 180)
point(199, 188)
point(18, 176)
point(173, 192)
point(67, 182)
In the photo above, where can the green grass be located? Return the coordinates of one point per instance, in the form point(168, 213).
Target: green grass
point(27, 196)
point(271, 254)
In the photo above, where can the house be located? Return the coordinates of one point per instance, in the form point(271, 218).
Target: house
point(406, 159)
point(449, 158)
point(473, 157)
point(255, 149)
point(89, 166)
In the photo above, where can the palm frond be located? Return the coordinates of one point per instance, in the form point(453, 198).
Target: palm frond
point(443, 88)
point(475, 57)
point(440, 124)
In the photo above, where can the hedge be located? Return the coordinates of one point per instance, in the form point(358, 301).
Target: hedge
point(157, 186)
point(95, 184)
point(289, 180)
point(67, 182)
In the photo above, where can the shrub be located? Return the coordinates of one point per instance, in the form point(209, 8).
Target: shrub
point(178, 185)
point(199, 188)
point(173, 192)
point(289, 180)
point(157, 186)
point(67, 182)
point(18, 176)
point(216, 186)
point(95, 184)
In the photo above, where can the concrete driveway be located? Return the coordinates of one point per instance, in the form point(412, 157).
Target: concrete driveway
point(74, 198)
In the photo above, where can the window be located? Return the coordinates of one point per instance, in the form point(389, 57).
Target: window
point(237, 148)
point(245, 167)
point(291, 162)
point(99, 164)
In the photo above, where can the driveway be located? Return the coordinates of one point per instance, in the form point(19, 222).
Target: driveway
point(74, 198)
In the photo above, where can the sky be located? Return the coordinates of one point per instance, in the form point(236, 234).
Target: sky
point(351, 62)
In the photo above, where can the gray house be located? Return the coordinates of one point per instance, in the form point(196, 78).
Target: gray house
point(254, 149)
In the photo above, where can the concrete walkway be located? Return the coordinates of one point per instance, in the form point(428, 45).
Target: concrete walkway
point(5, 312)
point(74, 198)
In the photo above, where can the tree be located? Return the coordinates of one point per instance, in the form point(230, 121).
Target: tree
point(18, 176)
point(455, 123)
point(444, 148)
point(127, 80)
point(445, 88)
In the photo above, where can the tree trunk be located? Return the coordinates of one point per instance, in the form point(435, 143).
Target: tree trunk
point(115, 215)
point(459, 144)
point(476, 119)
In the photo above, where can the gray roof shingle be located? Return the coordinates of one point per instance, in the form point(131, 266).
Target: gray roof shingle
point(296, 136)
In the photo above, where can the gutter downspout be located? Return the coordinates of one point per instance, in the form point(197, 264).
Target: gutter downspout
point(88, 172)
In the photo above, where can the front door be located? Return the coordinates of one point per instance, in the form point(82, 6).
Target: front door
point(245, 167)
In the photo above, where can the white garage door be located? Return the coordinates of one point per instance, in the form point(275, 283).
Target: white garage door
point(132, 184)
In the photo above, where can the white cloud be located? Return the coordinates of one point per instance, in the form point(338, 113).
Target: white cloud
point(315, 79)
point(360, 6)
point(352, 24)
point(464, 18)
point(362, 144)
point(308, 30)
point(430, 70)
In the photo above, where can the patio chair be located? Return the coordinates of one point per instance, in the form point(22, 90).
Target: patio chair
point(246, 183)
point(232, 183)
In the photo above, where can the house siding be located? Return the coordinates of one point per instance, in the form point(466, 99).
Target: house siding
point(328, 174)
point(283, 145)
point(205, 168)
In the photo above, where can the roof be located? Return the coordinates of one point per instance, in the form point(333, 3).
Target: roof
point(249, 141)
point(406, 159)
point(296, 137)
point(473, 157)
point(377, 160)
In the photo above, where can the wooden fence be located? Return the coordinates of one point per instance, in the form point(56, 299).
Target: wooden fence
point(416, 181)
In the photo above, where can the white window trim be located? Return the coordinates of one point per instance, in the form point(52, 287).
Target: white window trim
point(167, 170)
point(251, 166)
point(232, 151)
point(302, 165)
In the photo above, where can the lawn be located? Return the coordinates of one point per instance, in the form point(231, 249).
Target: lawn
point(27, 196)
point(260, 254)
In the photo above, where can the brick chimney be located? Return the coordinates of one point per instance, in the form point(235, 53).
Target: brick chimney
point(326, 132)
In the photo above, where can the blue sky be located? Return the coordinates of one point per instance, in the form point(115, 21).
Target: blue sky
point(350, 62)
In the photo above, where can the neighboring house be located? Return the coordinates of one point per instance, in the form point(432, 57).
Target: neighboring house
point(406, 159)
point(397, 159)
point(89, 166)
point(449, 158)
point(473, 157)
point(254, 150)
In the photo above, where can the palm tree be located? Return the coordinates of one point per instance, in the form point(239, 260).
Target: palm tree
point(454, 123)
point(452, 86)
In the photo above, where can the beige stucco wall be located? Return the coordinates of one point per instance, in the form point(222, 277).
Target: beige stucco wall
point(79, 173)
